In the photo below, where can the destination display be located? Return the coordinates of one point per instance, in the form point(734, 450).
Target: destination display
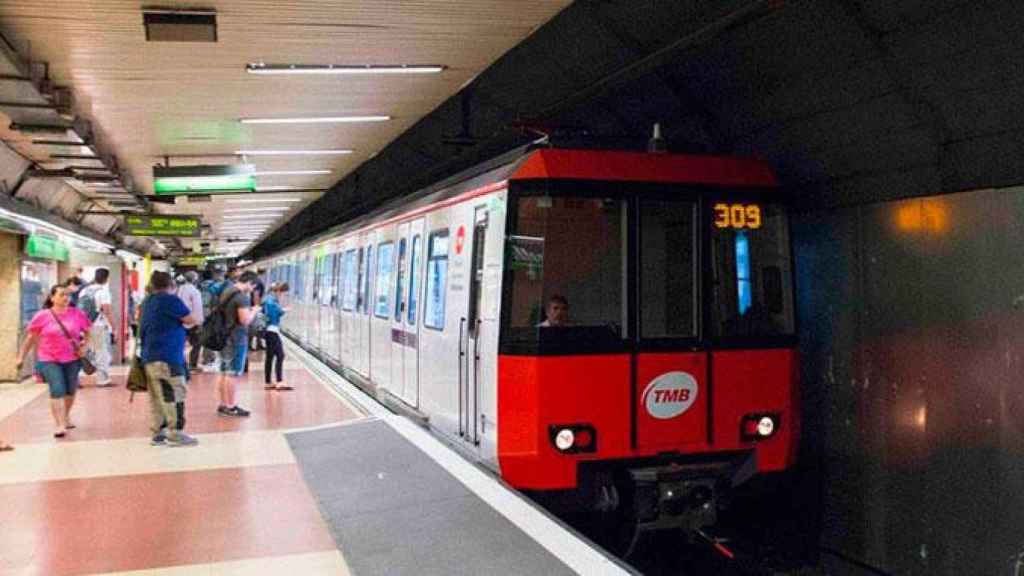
point(738, 216)
point(164, 225)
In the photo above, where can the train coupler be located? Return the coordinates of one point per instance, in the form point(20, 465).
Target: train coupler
point(668, 497)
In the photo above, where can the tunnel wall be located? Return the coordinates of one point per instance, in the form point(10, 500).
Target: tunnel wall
point(913, 372)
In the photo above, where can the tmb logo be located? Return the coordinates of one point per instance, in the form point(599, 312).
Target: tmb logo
point(670, 394)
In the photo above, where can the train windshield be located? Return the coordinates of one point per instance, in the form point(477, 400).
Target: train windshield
point(751, 271)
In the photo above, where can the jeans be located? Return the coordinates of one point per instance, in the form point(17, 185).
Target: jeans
point(275, 352)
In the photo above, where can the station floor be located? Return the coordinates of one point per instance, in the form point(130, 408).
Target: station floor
point(103, 501)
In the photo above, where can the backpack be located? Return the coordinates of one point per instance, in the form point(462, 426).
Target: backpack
point(87, 302)
point(216, 328)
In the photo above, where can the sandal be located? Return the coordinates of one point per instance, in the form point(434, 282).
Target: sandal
point(70, 427)
point(268, 387)
point(6, 448)
point(285, 388)
point(59, 434)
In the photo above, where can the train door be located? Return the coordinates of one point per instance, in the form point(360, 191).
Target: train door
point(404, 335)
point(474, 331)
point(671, 395)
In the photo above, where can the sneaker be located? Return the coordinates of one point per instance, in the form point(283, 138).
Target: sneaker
point(182, 440)
point(223, 411)
point(238, 411)
point(158, 440)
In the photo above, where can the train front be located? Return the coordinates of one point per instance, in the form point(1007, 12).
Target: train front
point(647, 358)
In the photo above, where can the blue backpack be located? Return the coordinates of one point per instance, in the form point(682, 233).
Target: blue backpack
point(87, 301)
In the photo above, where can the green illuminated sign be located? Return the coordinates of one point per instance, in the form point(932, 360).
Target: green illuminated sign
point(47, 248)
point(175, 180)
point(167, 225)
point(197, 261)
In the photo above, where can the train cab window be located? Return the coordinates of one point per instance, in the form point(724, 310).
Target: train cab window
point(668, 273)
point(566, 251)
point(385, 265)
point(413, 280)
point(348, 299)
point(399, 280)
point(437, 277)
point(752, 271)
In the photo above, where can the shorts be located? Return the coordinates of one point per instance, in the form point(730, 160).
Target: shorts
point(232, 357)
point(62, 377)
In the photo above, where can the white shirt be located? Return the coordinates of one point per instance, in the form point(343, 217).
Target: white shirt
point(189, 294)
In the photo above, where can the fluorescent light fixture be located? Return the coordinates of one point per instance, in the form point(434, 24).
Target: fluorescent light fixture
point(32, 223)
point(316, 120)
point(203, 179)
point(263, 200)
point(255, 218)
point(268, 209)
point(291, 173)
point(261, 68)
point(334, 152)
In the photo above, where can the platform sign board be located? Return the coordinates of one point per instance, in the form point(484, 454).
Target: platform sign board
point(203, 180)
point(195, 261)
point(164, 225)
point(47, 248)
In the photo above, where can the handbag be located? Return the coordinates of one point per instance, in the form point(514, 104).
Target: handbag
point(87, 366)
point(136, 378)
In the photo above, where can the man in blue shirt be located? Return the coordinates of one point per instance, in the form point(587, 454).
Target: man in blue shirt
point(162, 328)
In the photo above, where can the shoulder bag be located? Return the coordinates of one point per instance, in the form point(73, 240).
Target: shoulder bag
point(87, 365)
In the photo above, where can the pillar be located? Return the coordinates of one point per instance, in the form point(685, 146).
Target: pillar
point(10, 304)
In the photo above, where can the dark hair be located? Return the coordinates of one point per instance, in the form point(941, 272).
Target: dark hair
point(49, 298)
point(101, 276)
point(558, 298)
point(248, 277)
point(161, 281)
point(74, 281)
point(280, 287)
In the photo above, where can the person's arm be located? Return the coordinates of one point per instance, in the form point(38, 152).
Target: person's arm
point(245, 315)
point(27, 345)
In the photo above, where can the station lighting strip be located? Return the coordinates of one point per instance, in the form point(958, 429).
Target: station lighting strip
point(316, 120)
point(265, 69)
point(32, 223)
point(292, 152)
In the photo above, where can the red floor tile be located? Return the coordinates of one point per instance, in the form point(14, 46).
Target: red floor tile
point(157, 520)
point(105, 413)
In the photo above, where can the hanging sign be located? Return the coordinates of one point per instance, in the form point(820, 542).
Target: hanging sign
point(196, 261)
point(45, 247)
point(164, 225)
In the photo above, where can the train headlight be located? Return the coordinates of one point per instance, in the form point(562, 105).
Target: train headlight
point(759, 426)
point(564, 439)
point(573, 438)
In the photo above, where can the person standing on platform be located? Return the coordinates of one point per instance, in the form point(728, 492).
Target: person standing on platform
point(74, 284)
point(95, 300)
point(164, 321)
point(255, 338)
point(238, 311)
point(58, 330)
point(189, 294)
point(273, 310)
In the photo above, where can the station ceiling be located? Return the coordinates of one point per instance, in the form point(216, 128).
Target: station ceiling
point(852, 101)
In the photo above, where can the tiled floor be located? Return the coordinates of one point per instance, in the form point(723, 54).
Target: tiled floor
point(103, 500)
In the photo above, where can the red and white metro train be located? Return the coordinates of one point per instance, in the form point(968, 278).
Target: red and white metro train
point(671, 377)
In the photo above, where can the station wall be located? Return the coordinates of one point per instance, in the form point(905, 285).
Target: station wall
point(912, 336)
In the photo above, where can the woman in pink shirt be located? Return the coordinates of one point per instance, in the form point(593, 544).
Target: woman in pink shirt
point(58, 353)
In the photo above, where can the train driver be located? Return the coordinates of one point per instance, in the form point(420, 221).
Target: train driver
point(556, 313)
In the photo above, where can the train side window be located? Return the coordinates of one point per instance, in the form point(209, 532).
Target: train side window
point(413, 280)
point(348, 300)
point(365, 289)
point(437, 276)
point(359, 281)
point(385, 265)
point(399, 280)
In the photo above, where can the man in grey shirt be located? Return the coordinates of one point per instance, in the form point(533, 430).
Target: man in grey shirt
point(189, 294)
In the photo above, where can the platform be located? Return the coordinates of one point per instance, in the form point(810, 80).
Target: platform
point(317, 481)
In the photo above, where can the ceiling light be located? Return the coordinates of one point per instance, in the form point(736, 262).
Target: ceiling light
point(203, 179)
point(262, 200)
point(268, 209)
point(180, 25)
point(291, 172)
point(253, 217)
point(319, 120)
point(261, 68)
point(292, 152)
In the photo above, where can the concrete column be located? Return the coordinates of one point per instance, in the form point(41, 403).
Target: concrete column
point(10, 304)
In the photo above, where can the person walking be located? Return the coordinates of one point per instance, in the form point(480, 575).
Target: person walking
point(94, 300)
point(164, 321)
point(189, 294)
point(273, 310)
point(234, 303)
point(58, 332)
